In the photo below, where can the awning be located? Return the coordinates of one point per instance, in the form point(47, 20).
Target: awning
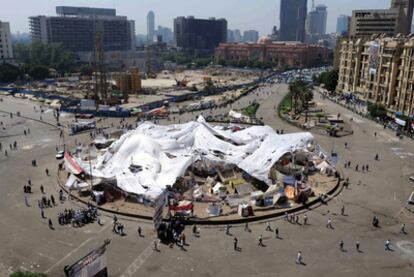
point(71, 165)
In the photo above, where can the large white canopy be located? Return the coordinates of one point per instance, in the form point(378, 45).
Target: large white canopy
point(161, 154)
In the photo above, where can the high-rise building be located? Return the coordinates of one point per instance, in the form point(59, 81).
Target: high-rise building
point(405, 16)
point(166, 34)
point(150, 26)
point(316, 21)
point(395, 20)
point(6, 49)
point(342, 24)
point(199, 34)
point(292, 20)
point(76, 29)
point(250, 36)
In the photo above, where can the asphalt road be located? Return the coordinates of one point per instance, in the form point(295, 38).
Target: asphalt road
point(28, 244)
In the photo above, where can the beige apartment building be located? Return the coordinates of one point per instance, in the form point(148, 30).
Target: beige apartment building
point(379, 70)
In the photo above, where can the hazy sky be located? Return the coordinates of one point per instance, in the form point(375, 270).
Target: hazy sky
point(260, 15)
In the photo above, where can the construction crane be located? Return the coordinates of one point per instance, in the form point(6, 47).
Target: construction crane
point(149, 70)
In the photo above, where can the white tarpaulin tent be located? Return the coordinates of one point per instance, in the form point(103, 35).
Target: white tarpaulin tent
point(161, 154)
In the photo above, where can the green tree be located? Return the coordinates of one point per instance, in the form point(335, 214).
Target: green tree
point(329, 79)
point(301, 95)
point(8, 73)
point(86, 70)
point(377, 110)
point(39, 72)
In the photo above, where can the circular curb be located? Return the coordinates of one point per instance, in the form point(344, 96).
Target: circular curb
point(211, 222)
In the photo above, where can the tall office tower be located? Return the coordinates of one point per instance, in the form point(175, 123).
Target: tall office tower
point(150, 26)
point(316, 21)
point(250, 36)
point(6, 49)
point(76, 28)
point(395, 20)
point(405, 15)
point(199, 34)
point(342, 24)
point(292, 20)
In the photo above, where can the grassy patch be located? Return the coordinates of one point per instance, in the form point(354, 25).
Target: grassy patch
point(285, 106)
point(251, 110)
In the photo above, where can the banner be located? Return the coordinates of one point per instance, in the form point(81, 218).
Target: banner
point(91, 265)
point(373, 57)
point(160, 203)
point(400, 122)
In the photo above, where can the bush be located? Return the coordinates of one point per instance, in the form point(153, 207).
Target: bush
point(27, 274)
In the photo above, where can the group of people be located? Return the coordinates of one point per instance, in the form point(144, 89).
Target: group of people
point(78, 217)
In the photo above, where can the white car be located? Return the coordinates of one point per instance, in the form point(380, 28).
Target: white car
point(60, 155)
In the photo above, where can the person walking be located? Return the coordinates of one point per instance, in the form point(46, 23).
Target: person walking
point(387, 245)
point(268, 228)
point(227, 229)
point(42, 213)
point(286, 217)
point(246, 227)
point(139, 231)
point(42, 190)
point(26, 202)
point(367, 168)
point(341, 245)
point(357, 245)
point(356, 168)
point(50, 224)
point(329, 224)
point(343, 210)
point(155, 242)
point(376, 157)
point(299, 258)
point(235, 246)
point(305, 220)
point(277, 232)
point(403, 229)
point(260, 241)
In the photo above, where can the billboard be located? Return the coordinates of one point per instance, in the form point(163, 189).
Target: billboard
point(373, 57)
point(91, 265)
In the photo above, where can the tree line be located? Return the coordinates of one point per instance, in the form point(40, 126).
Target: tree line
point(34, 61)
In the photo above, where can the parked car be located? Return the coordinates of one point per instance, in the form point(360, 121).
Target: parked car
point(60, 155)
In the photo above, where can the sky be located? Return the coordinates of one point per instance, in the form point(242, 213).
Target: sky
point(259, 15)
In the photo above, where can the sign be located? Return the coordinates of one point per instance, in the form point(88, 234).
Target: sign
point(373, 57)
point(400, 122)
point(91, 265)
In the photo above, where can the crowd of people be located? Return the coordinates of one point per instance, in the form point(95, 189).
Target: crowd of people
point(79, 217)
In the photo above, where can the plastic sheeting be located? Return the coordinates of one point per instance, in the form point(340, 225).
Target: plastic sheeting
point(159, 155)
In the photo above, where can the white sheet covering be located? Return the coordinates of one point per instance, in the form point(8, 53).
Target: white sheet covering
point(163, 153)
